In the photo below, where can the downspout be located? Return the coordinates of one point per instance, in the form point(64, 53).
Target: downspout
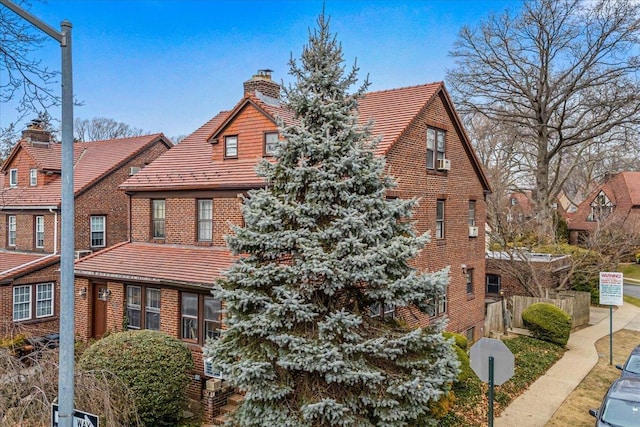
point(55, 230)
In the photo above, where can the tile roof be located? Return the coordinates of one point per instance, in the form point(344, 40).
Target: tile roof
point(156, 263)
point(623, 189)
point(92, 161)
point(189, 164)
point(14, 264)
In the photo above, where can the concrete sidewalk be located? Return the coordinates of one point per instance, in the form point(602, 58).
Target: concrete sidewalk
point(536, 405)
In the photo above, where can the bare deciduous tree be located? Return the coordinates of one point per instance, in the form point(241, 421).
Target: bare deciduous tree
point(23, 77)
point(563, 75)
point(101, 128)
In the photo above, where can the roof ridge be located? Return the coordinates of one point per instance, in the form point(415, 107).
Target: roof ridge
point(102, 251)
point(437, 83)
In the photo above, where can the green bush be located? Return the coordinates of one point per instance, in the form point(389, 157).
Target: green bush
point(548, 323)
point(460, 347)
point(155, 366)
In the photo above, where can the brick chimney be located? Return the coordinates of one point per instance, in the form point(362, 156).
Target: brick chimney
point(262, 83)
point(35, 133)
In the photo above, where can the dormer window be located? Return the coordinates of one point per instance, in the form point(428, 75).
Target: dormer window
point(33, 177)
point(270, 143)
point(231, 146)
point(601, 207)
point(13, 177)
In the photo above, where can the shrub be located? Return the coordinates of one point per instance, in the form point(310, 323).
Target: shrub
point(153, 365)
point(460, 347)
point(548, 323)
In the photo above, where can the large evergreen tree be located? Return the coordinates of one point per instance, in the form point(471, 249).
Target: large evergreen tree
point(321, 246)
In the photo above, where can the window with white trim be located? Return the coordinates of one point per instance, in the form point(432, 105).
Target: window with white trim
point(205, 220)
point(435, 146)
point(33, 177)
point(33, 301)
point(39, 231)
point(437, 306)
point(270, 143)
point(440, 219)
point(11, 230)
point(149, 317)
point(13, 177)
point(472, 213)
point(98, 234)
point(231, 146)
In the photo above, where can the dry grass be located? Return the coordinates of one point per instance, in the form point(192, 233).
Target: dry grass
point(575, 410)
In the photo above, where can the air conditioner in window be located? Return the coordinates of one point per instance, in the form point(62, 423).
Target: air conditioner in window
point(444, 164)
point(82, 254)
point(134, 170)
point(209, 371)
point(473, 231)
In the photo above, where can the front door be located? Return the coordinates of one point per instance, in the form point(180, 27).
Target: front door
point(99, 310)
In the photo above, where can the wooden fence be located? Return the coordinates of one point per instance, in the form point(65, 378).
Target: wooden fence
point(575, 303)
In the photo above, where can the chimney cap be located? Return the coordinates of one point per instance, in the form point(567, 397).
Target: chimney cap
point(265, 72)
point(35, 124)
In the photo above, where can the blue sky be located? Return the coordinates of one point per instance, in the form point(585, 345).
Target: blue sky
point(169, 66)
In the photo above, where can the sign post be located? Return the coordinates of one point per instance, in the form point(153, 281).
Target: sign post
point(493, 363)
point(611, 293)
point(80, 419)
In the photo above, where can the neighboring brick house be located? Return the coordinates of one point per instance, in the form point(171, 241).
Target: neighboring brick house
point(506, 272)
point(616, 201)
point(182, 205)
point(30, 225)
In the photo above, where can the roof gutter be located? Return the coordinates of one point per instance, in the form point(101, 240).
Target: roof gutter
point(26, 264)
point(26, 208)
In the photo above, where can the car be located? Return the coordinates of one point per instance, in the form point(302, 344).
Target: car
point(631, 367)
point(621, 404)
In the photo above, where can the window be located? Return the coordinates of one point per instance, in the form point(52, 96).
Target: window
point(437, 306)
point(44, 300)
point(472, 213)
point(201, 317)
point(11, 230)
point(97, 231)
point(435, 146)
point(230, 146)
point(440, 219)
point(158, 217)
point(270, 143)
point(493, 284)
point(33, 177)
point(470, 333)
point(23, 303)
point(601, 207)
point(39, 231)
point(13, 177)
point(382, 311)
point(149, 298)
point(469, 279)
point(205, 220)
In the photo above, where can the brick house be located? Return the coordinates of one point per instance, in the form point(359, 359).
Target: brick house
point(616, 201)
point(30, 226)
point(506, 272)
point(183, 202)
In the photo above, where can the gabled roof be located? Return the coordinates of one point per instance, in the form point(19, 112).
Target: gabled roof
point(622, 189)
point(190, 165)
point(154, 263)
point(92, 162)
point(15, 264)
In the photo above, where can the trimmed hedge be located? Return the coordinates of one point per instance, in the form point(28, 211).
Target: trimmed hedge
point(547, 323)
point(155, 367)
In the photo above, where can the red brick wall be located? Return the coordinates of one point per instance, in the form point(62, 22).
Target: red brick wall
point(181, 219)
point(407, 162)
